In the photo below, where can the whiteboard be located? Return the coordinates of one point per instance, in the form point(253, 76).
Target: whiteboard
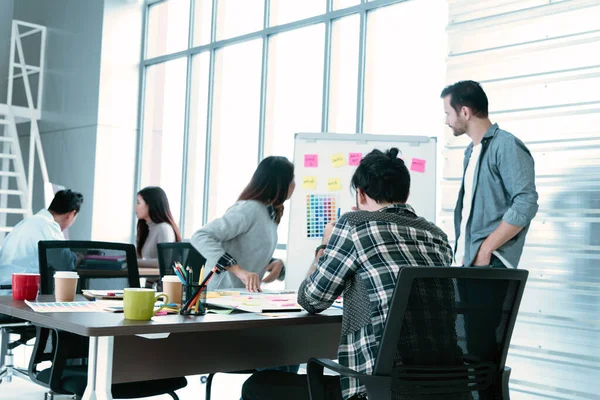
point(323, 172)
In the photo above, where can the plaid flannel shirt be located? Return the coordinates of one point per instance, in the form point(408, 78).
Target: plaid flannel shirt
point(361, 260)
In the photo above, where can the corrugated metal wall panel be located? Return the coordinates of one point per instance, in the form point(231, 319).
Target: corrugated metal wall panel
point(539, 62)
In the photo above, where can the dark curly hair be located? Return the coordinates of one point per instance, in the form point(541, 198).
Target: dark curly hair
point(383, 177)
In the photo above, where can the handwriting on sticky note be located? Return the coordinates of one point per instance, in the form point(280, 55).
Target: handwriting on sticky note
point(311, 160)
point(417, 165)
point(354, 159)
point(334, 184)
point(338, 160)
point(309, 182)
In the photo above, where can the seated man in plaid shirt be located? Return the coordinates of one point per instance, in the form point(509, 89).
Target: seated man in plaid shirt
point(362, 254)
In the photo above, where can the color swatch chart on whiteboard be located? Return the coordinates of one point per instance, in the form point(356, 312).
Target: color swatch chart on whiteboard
point(320, 210)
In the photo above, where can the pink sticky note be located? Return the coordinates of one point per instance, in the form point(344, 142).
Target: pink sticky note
point(417, 165)
point(354, 159)
point(311, 160)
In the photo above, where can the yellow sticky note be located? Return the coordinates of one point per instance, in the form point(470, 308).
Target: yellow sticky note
point(334, 184)
point(309, 182)
point(338, 160)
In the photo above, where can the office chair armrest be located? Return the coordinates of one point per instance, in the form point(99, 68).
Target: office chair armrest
point(68, 346)
point(317, 365)
point(378, 387)
point(314, 375)
point(39, 355)
point(505, 379)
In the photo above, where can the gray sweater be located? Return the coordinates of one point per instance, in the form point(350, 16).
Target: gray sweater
point(246, 235)
point(157, 233)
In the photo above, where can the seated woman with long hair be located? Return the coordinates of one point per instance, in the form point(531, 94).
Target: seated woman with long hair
point(155, 222)
point(241, 243)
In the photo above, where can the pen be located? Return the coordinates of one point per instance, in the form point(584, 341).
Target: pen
point(201, 275)
point(196, 296)
point(178, 274)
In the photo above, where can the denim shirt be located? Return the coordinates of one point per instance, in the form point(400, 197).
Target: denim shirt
point(503, 189)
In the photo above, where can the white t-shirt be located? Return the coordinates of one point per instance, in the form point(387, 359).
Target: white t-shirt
point(467, 202)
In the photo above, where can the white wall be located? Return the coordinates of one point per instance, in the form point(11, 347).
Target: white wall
point(539, 63)
point(70, 107)
point(88, 125)
point(6, 12)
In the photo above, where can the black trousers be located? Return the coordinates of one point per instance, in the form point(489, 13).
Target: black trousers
point(277, 385)
point(481, 330)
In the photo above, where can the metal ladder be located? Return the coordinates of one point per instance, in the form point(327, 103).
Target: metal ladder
point(16, 184)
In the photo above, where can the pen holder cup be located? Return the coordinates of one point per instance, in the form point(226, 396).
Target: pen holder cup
point(189, 292)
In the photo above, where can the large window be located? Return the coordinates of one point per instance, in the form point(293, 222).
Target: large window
point(166, 32)
point(237, 17)
point(294, 92)
point(401, 76)
point(343, 81)
point(162, 128)
point(261, 71)
point(294, 87)
point(196, 147)
point(284, 11)
point(236, 115)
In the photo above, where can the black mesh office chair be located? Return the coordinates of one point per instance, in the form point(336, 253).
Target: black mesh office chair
point(181, 252)
point(100, 265)
point(187, 255)
point(446, 337)
point(24, 332)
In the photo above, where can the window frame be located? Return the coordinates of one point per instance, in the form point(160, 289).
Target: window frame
point(265, 33)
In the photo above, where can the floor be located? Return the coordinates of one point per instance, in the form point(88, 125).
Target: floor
point(224, 387)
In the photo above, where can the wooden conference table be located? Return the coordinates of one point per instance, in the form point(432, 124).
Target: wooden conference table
point(173, 345)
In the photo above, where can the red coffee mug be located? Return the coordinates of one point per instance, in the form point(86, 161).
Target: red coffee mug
point(25, 286)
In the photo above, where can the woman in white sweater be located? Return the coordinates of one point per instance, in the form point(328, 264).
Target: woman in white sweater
point(155, 222)
point(241, 243)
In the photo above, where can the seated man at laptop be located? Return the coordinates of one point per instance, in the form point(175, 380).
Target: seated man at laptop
point(19, 252)
point(363, 253)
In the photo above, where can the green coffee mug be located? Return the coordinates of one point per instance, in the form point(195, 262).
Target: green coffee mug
point(138, 303)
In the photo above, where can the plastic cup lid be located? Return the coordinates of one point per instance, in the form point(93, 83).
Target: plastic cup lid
point(170, 278)
point(66, 274)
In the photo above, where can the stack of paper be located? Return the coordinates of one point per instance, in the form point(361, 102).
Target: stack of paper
point(103, 294)
point(71, 306)
point(254, 302)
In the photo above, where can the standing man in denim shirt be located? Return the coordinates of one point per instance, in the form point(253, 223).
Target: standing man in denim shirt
point(497, 198)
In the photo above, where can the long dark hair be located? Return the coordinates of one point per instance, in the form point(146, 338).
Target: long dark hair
point(158, 210)
point(270, 183)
